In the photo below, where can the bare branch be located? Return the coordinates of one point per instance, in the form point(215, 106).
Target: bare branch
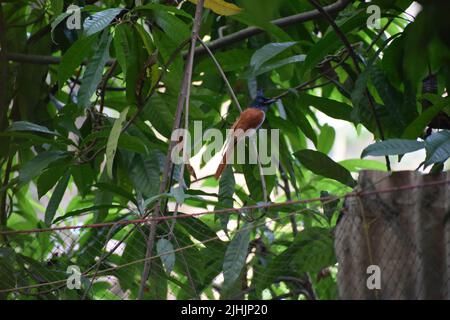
point(213, 45)
point(355, 59)
point(168, 163)
point(282, 22)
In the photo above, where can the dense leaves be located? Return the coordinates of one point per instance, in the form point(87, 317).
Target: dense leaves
point(86, 117)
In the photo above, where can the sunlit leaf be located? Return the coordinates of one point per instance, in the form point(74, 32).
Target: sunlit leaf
point(321, 164)
point(113, 139)
point(220, 7)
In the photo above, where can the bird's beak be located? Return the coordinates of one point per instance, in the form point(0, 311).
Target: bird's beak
point(270, 101)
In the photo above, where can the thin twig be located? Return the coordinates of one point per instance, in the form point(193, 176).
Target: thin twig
point(374, 41)
point(222, 73)
point(3, 73)
point(231, 210)
point(236, 101)
point(168, 163)
point(183, 185)
point(213, 45)
point(3, 197)
point(287, 192)
point(102, 88)
point(282, 22)
point(305, 85)
point(355, 59)
point(166, 66)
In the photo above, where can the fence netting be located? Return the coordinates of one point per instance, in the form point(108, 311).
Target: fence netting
point(390, 239)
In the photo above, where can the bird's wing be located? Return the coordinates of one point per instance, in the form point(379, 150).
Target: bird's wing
point(250, 118)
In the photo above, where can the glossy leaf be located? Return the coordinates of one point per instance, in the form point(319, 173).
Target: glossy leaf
point(321, 164)
point(56, 198)
point(34, 167)
point(166, 252)
point(94, 71)
point(73, 57)
point(99, 20)
point(220, 7)
point(113, 139)
point(437, 147)
point(268, 52)
point(28, 126)
point(392, 147)
point(236, 255)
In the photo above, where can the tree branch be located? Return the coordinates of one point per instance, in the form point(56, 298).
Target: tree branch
point(355, 59)
point(236, 101)
point(3, 73)
point(168, 163)
point(282, 22)
point(213, 45)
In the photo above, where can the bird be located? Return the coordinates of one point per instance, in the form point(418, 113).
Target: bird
point(251, 118)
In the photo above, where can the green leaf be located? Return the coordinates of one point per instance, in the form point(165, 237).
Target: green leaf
point(236, 255)
point(416, 128)
point(331, 108)
point(298, 117)
point(220, 7)
point(311, 251)
point(35, 166)
point(326, 138)
point(28, 126)
point(113, 139)
point(161, 7)
point(173, 27)
point(267, 52)
point(56, 198)
point(123, 46)
point(165, 250)
point(99, 20)
point(437, 147)
point(153, 199)
point(49, 178)
point(356, 165)
point(94, 70)
point(83, 176)
point(83, 211)
point(144, 173)
point(117, 190)
point(128, 47)
point(256, 21)
point(73, 58)
point(392, 147)
point(321, 164)
point(331, 41)
point(57, 6)
point(391, 97)
point(275, 65)
point(60, 18)
point(226, 192)
point(178, 194)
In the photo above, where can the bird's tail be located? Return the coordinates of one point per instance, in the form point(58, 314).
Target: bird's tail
point(221, 167)
point(223, 163)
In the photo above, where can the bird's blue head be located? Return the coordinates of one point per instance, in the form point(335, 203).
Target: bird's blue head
point(261, 102)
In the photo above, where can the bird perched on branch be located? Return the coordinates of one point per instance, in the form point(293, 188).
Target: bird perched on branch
point(251, 118)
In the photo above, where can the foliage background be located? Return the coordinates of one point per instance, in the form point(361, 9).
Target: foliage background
point(85, 118)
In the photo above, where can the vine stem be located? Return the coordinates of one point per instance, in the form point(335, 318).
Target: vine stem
point(236, 102)
point(355, 59)
point(168, 163)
